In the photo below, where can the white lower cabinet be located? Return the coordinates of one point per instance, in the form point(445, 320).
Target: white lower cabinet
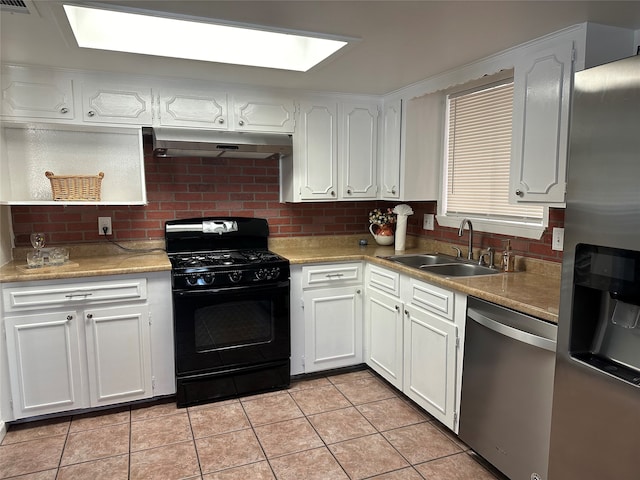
point(118, 354)
point(384, 337)
point(79, 344)
point(430, 363)
point(332, 304)
point(45, 363)
point(414, 332)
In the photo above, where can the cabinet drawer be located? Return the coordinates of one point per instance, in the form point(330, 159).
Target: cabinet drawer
point(333, 274)
point(74, 293)
point(384, 280)
point(429, 297)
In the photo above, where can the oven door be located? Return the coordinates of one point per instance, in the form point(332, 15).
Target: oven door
point(227, 328)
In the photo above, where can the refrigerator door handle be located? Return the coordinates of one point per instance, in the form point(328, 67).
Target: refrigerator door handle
point(506, 330)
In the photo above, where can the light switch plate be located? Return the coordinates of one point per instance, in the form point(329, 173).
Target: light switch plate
point(427, 222)
point(557, 242)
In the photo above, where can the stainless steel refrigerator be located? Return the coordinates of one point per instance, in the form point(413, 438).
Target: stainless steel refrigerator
point(595, 431)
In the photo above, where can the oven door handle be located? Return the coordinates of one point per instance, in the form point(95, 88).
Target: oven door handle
point(243, 288)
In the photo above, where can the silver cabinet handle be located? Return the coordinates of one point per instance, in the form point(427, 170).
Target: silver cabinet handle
point(221, 121)
point(397, 308)
point(393, 190)
point(241, 123)
point(333, 194)
point(91, 113)
point(349, 191)
point(89, 316)
point(358, 292)
point(519, 193)
point(64, 110)
point(69, 318)
point(331, 275)
point(74, 295)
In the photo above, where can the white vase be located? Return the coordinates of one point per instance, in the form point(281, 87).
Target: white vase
point(401, 232)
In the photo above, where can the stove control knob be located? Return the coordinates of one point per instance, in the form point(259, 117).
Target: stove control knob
point(235, 276)
point(208, 278)
point(262, 274)
point(192, 280)
point(273, 274)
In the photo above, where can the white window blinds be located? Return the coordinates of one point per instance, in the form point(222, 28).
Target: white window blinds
point(478, 155)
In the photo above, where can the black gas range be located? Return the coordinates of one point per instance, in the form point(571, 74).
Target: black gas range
point(226, 268)
point(231, 308)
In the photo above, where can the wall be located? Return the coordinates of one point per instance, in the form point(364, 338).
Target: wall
point(5, 234)
point(196, 187)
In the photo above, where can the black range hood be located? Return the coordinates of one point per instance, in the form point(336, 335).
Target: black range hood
point(179, 142)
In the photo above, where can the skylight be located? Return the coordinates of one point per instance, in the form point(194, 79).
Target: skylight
point(199, 39)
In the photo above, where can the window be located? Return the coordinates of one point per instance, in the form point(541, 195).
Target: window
point(477, 158)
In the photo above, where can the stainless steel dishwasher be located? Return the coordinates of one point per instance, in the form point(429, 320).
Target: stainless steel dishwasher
point(507, 389)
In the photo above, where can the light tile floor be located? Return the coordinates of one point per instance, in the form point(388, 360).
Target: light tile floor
point(347, 426)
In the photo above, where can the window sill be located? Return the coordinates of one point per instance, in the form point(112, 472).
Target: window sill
point(497, 226)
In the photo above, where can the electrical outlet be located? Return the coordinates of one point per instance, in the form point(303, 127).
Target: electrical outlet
point(102, 223)
point(557, 242)
point(427, 221)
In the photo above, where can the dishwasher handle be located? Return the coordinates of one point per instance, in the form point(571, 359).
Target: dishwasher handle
point(506, 330)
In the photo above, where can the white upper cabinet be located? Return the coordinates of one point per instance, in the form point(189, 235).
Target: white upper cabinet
point(110, 101)
point(315, 154)
point(358, 150)
point(36, 93)
point(541, 108)
point(256, 113)
point(412, 133)
point(541, 97)
point(215, 109)
point(390, 157)
point(335, 152)
point(186, 107)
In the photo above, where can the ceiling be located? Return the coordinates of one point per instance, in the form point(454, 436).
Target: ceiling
point(400, 42)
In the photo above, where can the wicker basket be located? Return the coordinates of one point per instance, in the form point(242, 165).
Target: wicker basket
point(76, 187)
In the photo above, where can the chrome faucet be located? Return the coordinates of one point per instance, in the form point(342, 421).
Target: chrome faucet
point(461, 232)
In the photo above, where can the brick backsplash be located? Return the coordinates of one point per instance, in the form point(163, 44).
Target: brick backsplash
point(196, 187)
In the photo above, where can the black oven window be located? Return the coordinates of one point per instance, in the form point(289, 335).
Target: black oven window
point(233, 324)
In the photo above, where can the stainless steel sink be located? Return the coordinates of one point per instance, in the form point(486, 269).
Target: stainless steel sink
point(445, 265)
point(459, 270)
point(422, 260)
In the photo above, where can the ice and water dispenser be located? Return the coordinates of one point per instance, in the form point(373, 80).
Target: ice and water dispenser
point(605, 323)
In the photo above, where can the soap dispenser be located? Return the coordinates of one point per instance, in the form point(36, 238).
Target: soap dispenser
point(508, 259)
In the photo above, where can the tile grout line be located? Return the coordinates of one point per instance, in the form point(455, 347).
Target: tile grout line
point(326, 445)
point(193, 439)
point(273, 472)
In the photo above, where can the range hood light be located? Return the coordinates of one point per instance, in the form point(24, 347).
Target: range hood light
point(178, 142)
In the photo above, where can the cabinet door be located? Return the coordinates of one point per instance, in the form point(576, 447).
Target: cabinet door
point(333, 328)
point(390, 158)
point(541, 101)
point(193, 108)
point(421, 155)
point(430, 363)
point(266, 114)
point(45, 359)
point(358, 150)
point(116, 103)
point(36, 93)
point(316, 149)
point(384, 342)
point(118, 354)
